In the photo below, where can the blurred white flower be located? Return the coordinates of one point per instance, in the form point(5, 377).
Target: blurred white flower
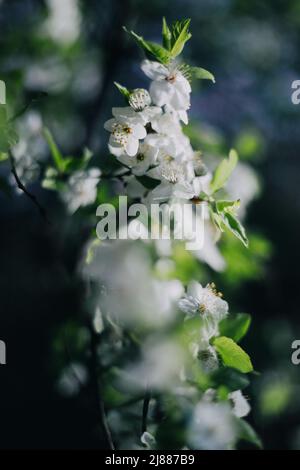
point(72, 379)
point(208, 359)
point(243, 184)
point(160, 367)
point(132, 295)
point(169, 87)
point(241, 406)
point(81, 189)
point(148, 440)
point(212, 427)
point(63, 23)
point(30, 148)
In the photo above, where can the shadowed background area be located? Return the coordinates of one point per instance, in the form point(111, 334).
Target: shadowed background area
point(60, 59)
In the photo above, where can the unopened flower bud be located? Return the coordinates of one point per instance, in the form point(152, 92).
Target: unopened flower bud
point(139, 99)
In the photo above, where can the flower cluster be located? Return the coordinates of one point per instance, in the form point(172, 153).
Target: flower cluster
point(147, 135)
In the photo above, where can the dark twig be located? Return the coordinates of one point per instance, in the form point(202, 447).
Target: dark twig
point(146, 404)
point(96, 384)
point(21, 186)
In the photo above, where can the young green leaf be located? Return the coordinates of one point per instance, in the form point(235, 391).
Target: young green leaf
point(179, 36)
point(123, 90)
point(223, 171)
point(201, 74)
point(235, 327)
point(235, 226)
point(247, 433)
point(158, 52)
point(56, 155)
point(227, 206)
point(232, 355)
point(166, 34)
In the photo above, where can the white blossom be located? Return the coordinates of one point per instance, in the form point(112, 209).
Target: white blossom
point(127, 128)
point(169, 87)
point(205, 301)
point(140, 163)
point(81, 189)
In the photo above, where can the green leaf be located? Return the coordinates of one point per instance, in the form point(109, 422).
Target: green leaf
point(217, 219)
point(166, 34)
point(235, 327)
point(72, 164)
point(227, 206)
point(201, 74)
point(51, 180)
point(232, 378)
point(233, 355)
point(179, 36)
point(3, 156)
point(223, 171)
point(8, 136)
point(123, 90)
point(158, 52)
point(247, 433)
point(56, 155)
point(235, 226)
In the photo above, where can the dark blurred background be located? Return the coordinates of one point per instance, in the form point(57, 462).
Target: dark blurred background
point(73, 51)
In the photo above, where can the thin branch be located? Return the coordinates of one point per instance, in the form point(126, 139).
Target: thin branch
point(21, 186)
point(97, 389)
point(146, 404)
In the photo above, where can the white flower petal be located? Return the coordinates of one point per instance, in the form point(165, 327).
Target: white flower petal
point(161, 92)
point(154, 70)
point(187, 306)
point(108, 125)
point(139, 132)
point(195, 290)
point(132, 146)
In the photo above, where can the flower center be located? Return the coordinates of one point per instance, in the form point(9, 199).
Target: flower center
point(140, 157)
point(213, 289)
point(201, 309)
point(121, 133)
point(171, 78)
point(171, 170)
